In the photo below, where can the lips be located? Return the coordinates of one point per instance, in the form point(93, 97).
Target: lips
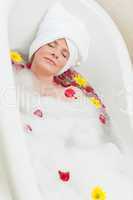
point(50, 61)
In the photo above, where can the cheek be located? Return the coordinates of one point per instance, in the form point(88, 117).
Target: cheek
point(42, 51)
point(40, 54)
point(39, 57)
point(62, 62)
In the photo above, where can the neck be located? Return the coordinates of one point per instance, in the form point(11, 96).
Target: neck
point(43, 79)
point(46, 80)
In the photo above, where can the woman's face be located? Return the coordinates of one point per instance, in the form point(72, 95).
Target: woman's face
point(50, 58)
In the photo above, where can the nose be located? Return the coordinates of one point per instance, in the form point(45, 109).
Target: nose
point(55, 55)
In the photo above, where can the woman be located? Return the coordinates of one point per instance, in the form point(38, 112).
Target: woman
point(48, 61)
point(57, 47)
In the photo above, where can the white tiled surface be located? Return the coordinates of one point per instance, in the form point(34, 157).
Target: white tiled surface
point(121, 12)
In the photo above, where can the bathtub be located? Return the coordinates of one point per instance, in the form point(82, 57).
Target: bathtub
point(108, 69)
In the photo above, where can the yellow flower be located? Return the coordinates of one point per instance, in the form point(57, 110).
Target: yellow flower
point(98, 193)
point(15, 57)
point(95, 102)
point(82, 82)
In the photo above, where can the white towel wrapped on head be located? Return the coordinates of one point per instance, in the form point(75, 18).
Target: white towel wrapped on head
point(59, 23)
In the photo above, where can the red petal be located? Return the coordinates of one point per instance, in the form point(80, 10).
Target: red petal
point(28, 65)
point(74, 84)
point(65, 84)
point(69, 92)
point(102, 118)
point(38, 112)
point(57, 80)
point(89, 89)
point(64, 176)
point(68, 73)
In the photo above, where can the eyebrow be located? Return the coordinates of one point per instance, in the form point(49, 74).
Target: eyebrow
point(64, 49)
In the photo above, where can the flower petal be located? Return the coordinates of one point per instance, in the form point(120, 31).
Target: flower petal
point(64, 176)
point(95, 102)
point(82, 82)
point(102, 119)
point(16, 57)
point(38, 113)
point(69, 92)
point(27, 128)
point(98, 193)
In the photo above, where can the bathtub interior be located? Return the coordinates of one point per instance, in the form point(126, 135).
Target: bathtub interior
point(108, 66)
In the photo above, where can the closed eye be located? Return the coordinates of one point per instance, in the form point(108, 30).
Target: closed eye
point(65, 56)
point(51, 45)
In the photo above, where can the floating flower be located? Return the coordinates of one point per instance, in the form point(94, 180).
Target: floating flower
point(18, 66)
point(68, 73)
point(88, 89)
point(28, 65)
point(98, 193)
point(65, 83)
point(73, 83)
point(69, 92)
point(102, 118)
point(82, 82)
point(27, 128)
point(95, 102)
point(16, 57)
point(38, 112)
point(64, 176)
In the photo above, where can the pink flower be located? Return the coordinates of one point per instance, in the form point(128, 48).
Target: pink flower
point(27, 128)
point(38, 113)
